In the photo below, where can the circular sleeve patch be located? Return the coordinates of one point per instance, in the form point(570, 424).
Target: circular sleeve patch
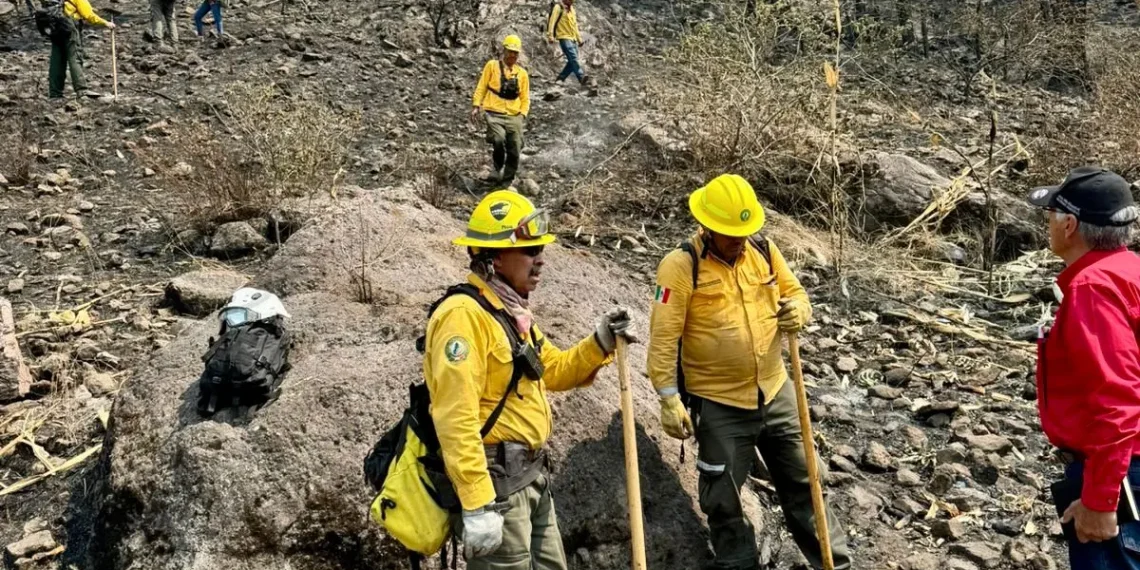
point(456, 349)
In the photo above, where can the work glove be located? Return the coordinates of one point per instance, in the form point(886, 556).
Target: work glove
point(675, 419)
point(482, 532)
point(614, 323)
point(793, 314)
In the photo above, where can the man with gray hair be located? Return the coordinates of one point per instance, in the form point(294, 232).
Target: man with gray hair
point(1088, 368)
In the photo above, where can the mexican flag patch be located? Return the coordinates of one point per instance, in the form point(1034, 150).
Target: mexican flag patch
point(662, 295)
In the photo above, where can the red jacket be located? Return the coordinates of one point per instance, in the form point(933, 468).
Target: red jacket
point(1088, 371)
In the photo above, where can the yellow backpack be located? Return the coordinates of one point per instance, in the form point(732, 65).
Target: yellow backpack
point(415, 500)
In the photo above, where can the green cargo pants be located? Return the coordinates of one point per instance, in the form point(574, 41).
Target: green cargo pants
point(505, 133)
point(531, 540)
point(727, 438)
point(66, 56)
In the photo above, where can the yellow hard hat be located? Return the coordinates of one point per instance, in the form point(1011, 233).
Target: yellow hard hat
point(506, 219)
point(513, 43)
point(728, 206)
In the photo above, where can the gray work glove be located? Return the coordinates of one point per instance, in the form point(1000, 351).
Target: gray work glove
point(614, 323)
point(482, 532)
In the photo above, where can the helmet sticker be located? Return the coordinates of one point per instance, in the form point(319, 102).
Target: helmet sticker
point(499, 210)
point(456, 349)
point(745, 215)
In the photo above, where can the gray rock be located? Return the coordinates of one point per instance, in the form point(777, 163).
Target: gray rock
point(877, 459)
point(32, 544)
point(937, 408)
point(921, 561)
point(899, 189)
point(18, 228)
point(85, 206)
point(191, 241)
point(865, 505)
point(980, 553)
point(100, 383)
point(885, 392)
point(952, 529)
point(403, 61)
point(908, 478)
point(843, 464)
point(528, 187)
point(909, 506)
point(990, 443)
point(915, 437)
point(950, 455)
point(897, 376)
point(1042, 561)
point(846, 364)
point(234, 240)
point(202, 292)
point(967, 499)
point(56, 220)
point(16, 285)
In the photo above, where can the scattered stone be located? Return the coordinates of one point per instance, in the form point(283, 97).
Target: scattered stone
point(865, 504)
point(950, 455)
point(978, 552)
point(843, 464)
point(908, 478)
point(202, 292)
point(967, 499)
point(877, 459)
point(990, 443)
point(846, 364)
point(85, 206)
point(100, 383)
point(897, 376)
point(1020, 550)
point(16, 285)
point(402, 60)
point(34, 543)
point(35, 525)
point(181, 170)
point(53, 255)
point(952, 529)
point(885, 392)
point(57, 220)
point(528, 187)
point(909, 506)
point(18, 228)
point(1042, 561)
point(235, 239)
point(937, 408)
point(915, 437)
point(921, 561)
point(191, 241)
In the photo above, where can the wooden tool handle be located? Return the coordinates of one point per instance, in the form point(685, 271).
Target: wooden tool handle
point(632, 474)
point(809, 454)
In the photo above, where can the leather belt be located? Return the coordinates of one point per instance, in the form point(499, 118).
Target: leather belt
point(514, 466)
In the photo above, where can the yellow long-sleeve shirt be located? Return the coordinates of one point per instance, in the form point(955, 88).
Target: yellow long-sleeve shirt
point(81, 10)
point(731, 347)
point(485, 99)
point(566, 22)
point(467, 367)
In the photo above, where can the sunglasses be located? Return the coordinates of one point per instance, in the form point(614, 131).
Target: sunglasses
point(532, 251)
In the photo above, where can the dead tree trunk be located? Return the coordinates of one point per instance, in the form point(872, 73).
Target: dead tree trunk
point(15, 380)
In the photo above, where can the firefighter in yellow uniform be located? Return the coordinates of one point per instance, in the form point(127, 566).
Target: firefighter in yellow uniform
point(503, 97)
point(722, 300)
point(483, 352)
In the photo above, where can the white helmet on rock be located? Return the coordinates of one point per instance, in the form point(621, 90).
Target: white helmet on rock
point(249, 304)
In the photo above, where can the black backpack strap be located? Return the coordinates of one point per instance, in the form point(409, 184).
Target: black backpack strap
point(513, 337)
point(762, 245)
point(688, 248)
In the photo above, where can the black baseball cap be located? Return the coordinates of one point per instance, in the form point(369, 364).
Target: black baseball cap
point(1090, 193)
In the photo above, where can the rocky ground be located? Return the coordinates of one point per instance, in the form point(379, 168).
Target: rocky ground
point(920, 374)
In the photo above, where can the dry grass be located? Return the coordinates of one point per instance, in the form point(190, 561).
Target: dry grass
point(18, 152)
point(278, 147)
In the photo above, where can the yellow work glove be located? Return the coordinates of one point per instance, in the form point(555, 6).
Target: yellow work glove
point(674, 419)
point(793, 315)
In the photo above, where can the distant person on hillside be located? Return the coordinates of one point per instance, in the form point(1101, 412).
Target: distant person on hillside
point(162, 23)
point(65, 30)
point(1088, 367)
point(503, 97)
point(209, 7)
point(489, 369)
point(563, 27)
point(723, 301)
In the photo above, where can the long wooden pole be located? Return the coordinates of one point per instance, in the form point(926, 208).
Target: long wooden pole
point(114, 63)
point(809, 453)
point(632, 474)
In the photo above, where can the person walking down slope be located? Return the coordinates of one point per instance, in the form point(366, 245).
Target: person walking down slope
point(563, 28)
point(67, 46)
point(163, 26)
point(1088, 367)
point(503, 97)
point(722, 301)
point(209, 7)
point(489, 368)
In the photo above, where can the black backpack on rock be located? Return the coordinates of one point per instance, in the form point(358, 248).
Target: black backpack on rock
point(244, 365)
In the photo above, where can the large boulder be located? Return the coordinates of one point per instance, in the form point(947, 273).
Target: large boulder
point(202, 292)
point(236, 239)
point(285, 488)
